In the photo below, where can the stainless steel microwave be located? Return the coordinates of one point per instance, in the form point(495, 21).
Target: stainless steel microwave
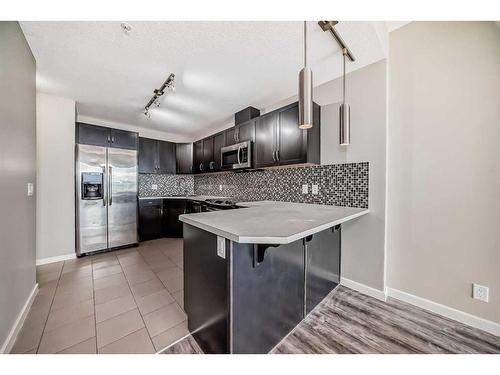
point(237, 156)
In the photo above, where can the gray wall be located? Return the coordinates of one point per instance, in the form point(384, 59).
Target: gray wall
point(17, 168)
point(444, 163)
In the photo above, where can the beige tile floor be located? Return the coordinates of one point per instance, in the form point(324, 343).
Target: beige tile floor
point(125, 301)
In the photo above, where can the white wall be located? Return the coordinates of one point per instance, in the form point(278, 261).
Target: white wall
point(55, 210)
point(444, 163)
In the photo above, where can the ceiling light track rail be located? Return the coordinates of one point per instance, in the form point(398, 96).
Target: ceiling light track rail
point(329, 26)
point(168, 84)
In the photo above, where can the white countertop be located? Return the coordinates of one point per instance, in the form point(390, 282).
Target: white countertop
point(272, 222)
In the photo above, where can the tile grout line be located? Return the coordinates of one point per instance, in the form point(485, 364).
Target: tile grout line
point(137, 306)
point(50, 308)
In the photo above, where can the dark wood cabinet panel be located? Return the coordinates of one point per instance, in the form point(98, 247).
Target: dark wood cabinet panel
point(198, 157)
point(265, 140)
point(218, 144)
point(246, 131)
point(184, 158)
point(92, 135)
point(172, 209)
point(150, 219)
point(166, 157)
point(230, 136)
point(124, 139)
point(148, 155)
point(208, 154)
point(292, 141)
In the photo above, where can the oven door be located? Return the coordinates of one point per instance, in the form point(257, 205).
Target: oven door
point(237, 156)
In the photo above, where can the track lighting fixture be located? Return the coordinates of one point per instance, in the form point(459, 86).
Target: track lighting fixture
point(168, 85)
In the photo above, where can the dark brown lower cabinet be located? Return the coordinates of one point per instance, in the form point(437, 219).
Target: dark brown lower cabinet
point(159, 218)
point(150, 219)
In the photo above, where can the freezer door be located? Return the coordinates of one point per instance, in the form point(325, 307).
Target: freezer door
point(122, 197)
point(91, 214)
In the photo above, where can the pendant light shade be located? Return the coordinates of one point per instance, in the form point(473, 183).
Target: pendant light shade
point(305, 90)
point(344, 114)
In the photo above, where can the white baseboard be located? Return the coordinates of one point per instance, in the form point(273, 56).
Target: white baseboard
point(59, 258)
point(448, 312)
point(362, 288)
point(18, 324)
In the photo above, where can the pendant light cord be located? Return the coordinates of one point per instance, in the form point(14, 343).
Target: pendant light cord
point(305, 44)
point(344, 53)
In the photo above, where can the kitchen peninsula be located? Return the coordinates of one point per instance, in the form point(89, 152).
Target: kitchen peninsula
point(278, 255)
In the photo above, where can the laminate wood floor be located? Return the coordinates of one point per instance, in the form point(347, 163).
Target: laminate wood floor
point(351, 322)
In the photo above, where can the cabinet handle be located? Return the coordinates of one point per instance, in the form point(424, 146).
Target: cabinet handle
point(211, 165)
point(277, 155)
point(201, 166)
point(108, 138)
point(274, 157)
point(112, 139)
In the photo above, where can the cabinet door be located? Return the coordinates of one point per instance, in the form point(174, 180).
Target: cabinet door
point(166, 157)
point(218, 144)
point(148, 155)
point(92, 135)
point(292, 145)
point(124, 139)
point(208, 154)
point(198, 157)
point(150, 219)
point(246, 131)
point(172, 209)
point(184, 158)
point(323, 265)
point(230, 136)
point(265, 141)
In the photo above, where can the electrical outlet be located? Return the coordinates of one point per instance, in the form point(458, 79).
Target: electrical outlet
point(480, 292)
point(154, 187)
point(221, 247)
point(315, 189)
point(305, 189)
point(30, 189)
point(220, 187)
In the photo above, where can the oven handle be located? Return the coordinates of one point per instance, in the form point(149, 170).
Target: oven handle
point(239, 160)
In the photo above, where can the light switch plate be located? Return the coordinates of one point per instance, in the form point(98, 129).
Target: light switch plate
point(315, 189)
point(154, 187)
point(221, 247)
point(305, 189)
point(29, 187)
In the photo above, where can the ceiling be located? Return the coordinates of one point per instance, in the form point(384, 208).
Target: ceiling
point(220, 67)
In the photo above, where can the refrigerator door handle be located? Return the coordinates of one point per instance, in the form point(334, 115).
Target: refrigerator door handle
point(110, 185)
point(104, 194)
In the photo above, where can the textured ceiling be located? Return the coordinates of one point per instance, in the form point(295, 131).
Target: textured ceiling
point(220, 67)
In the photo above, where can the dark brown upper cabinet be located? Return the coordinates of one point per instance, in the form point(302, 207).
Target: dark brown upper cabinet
point(240, 133)
point(279, 141)
point(199, 166)
point(219, 142)
point(208, 154)
point(106, 137)
point(156, 156)
point(184, 158)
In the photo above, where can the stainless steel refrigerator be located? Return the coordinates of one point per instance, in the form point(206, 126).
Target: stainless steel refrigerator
point(106, 198)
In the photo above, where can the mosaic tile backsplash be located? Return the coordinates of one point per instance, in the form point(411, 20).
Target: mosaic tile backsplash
point(339, 184)
point(168, 184)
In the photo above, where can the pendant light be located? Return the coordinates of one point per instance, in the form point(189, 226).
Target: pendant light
point(305, 90)
point(344, 113)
